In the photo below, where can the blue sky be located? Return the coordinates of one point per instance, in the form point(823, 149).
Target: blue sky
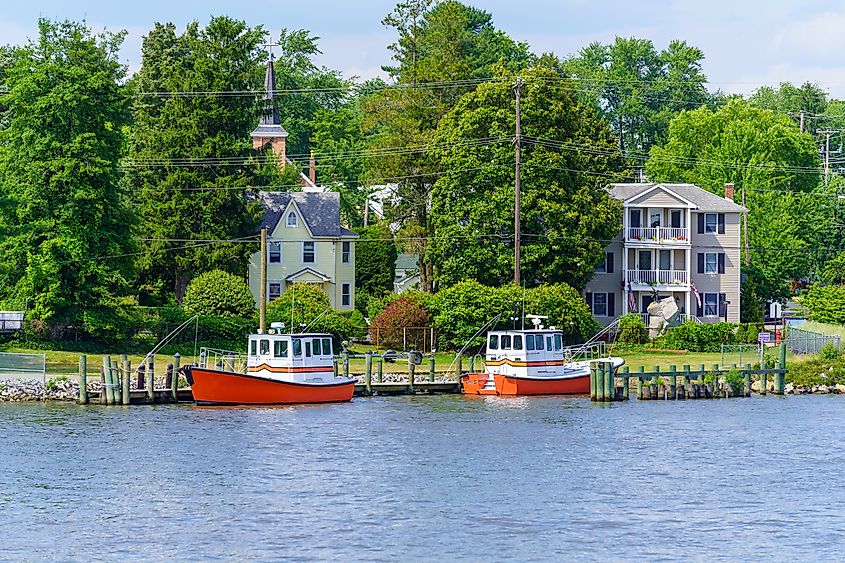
point(746, 42)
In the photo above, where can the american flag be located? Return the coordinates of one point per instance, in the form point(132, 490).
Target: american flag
point(632, 301)
point(695, 292)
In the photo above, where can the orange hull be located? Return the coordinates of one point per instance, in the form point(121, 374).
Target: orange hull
point(473, 384)
point(213, 387)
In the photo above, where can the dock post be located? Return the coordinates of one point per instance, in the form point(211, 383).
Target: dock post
point(656, 390)
point(640, 370)
point(626, 384)
point(412, 367)
point(117, 383)
point(174, 384)
point(687, 387)
point(609, 381)
point(673, 382)
point(368, 372)
point(139, 379)
point(746, 381)
point(431, 360)
point(334, 366)
point(107, 374)
point(459, 366)
point(763, 382)
point(103, 387)
point(346, 363)
point(127, 371)
point(715, 380)
point(780, 378)
point(151, 377)
point(168, 377)
point(593, 386)
point(380, 362)
point(83, 380)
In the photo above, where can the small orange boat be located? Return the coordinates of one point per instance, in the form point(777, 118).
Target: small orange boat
point(280, 369)
point(533, 362)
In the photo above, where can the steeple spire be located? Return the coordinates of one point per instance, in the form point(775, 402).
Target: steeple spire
point(271, 109)
point(270, 130)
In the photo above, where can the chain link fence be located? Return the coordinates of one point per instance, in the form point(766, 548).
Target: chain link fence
point(16, 366)
point(800, 341)
point(739, 355)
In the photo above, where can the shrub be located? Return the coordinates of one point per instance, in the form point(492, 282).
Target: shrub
point(829, 352)
point(632, 329)
point(405, 312)
point(736, 380)
point(826, 304)
point(566, 309)
point(218, 294)
point(697, 337)
point(307, 306)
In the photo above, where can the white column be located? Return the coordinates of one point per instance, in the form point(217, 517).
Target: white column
point(687, 253)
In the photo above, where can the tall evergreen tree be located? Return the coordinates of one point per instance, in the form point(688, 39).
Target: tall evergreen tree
point(64, 255)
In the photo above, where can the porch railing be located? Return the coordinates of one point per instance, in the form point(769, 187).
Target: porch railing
point(657, 277)
point(659, 234)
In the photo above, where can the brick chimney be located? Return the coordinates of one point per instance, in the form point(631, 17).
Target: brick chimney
point(729, 191)
point(312, 169)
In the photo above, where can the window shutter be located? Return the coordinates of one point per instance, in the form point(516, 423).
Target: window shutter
point(721, 223)
point(611, 304)
point(721, 262)
point(701, 223)
point(699, 307)
point(723, 307)
point(700, 262)
point(589, 297)
point(609, 262)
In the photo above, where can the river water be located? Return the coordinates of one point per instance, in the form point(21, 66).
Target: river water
point(426, 478)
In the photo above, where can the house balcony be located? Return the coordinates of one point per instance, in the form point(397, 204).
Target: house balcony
point(674, 236)
point(662, 279)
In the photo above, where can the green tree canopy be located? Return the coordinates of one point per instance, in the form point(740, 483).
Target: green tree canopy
point(183, 192)
point(375, 259)
point(219, 294)
point(68, 225)
point(567, 216)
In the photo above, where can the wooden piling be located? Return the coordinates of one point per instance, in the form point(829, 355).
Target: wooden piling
point(431, 360)
point(609, 381)
point(673, 382)
point(346, 363)
point(641, 370)
point(168, 376)
point(139, 378)
point(746, 381)
point(593, 391)
point(335, 369)
point(117, 384)
point(368, 372)
point(151, 377)
point(780, 377)
point(380, 362)
point(626, 385)
point(103, 387)
point(107, 374)
point(174, 384)
point(412, 367)
point(127, 372)
point(83, 380)
point(687, 387)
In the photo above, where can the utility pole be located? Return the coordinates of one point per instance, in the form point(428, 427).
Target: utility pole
point(367, 212)
point(262, 306)
point(745, 226)
point(802, 121)
point(826, 156)
point(517, 208)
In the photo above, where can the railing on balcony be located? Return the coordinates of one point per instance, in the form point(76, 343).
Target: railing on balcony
point(682, 318)
point(658, 234)
point(657, 277)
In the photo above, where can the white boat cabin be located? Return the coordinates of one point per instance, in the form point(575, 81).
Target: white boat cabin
point(526, 353)
point(299, 358)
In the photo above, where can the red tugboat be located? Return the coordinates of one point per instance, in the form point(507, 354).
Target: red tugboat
point(533, 362)
point(280, 369)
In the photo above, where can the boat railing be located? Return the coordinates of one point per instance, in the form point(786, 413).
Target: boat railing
point(225, 360)
point(585, 352)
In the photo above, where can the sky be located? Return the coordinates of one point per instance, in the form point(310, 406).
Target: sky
point(746, 43)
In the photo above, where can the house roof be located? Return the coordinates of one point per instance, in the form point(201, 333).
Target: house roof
point(701, 198)
point(311, 271)
point(406, 261)
point(320, 210)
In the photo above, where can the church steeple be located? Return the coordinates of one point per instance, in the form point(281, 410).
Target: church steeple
point(270, 130)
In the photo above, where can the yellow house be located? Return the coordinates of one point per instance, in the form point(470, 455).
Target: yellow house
point(306, 244)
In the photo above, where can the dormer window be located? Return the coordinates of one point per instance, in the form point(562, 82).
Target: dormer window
point(292, 221)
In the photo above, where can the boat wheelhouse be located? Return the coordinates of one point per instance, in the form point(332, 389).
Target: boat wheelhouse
point(534, 362)
point(277, 369)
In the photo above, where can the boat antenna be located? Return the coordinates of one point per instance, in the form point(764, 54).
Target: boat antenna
point(317, 318)
point(167, 339)
point(292, 305)
point(523, 305)
point(480, 330)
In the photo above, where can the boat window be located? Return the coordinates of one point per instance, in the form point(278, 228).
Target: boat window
point(558, 342)
point(529, 342)
point(264, 347)
point(494, 342)
point(297, 347)
point(549, 342)
point(307, 348)
point(317, 351)
point(327, 346)
point(506, 342)
point(280, 348)
point(517, 342)
point(253, 347)
point(538, 341)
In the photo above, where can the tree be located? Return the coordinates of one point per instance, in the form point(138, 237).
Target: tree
point(787, 98)
point(183, 191)
point(834, 271)
point(764, 152)
point(638, 89)
point(219, 294)
point(567, 216)
point(66, 253)
point(375, 260)
point(451, 47)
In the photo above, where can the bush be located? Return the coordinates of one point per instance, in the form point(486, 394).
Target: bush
point(218, 294)
point(817, 371)
point(408, 311)
point(632, 329)
point(829, 352)
point(826, 304)
point(307, 307)
point(696, 337)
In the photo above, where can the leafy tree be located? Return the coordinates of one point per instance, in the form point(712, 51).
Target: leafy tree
point(407, 311)
point(375, 259)
point(834, 271)
point(67, 246)
point(304, 305)
point(447, 43)
point(567, 216)
point(763, 151)
point(787, 98)
point(638, 89)
point(825, 303)
point(203, 200)
point(220, 294)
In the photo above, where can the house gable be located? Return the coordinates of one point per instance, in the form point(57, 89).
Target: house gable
point(659, 196)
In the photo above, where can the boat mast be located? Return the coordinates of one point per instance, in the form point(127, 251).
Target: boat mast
point(262, 305)
point(517, 212)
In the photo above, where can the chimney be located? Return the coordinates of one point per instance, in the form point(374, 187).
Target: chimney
point(312, 169)
point(729, 191)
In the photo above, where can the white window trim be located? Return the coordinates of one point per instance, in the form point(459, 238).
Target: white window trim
point(715, 223)
point(343, 294)
point(349, 256)
point(303, 251)
point(270, 283)
point(593, 305)
point(715, 256)
point(290, 214)
point(270, 245)
point(704, 306)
